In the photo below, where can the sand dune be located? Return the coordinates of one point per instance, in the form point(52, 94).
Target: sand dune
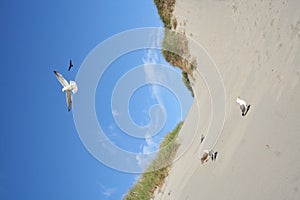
point(256, 47)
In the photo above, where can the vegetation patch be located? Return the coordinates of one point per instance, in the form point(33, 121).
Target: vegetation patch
point(165, 10)
point(158, 169)
point(187, 83)
point(175, 44)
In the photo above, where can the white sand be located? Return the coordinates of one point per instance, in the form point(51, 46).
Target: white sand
point(256, 47)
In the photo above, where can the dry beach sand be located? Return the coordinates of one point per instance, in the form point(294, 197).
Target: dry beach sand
point(256, 48)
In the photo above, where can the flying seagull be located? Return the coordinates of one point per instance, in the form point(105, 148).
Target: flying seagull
point(243, 106)
point(68, 88)
point(70, 65)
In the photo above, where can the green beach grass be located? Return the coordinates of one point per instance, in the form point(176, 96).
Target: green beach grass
point(157, 170)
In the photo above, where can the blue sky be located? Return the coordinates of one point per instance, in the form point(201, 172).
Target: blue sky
point(42, 156)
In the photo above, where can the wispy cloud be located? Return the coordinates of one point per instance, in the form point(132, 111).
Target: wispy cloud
point(146, 155)
point(110, 135)
point(150, 146)
point(106, 191)
point(115, 113)
point(150, 61)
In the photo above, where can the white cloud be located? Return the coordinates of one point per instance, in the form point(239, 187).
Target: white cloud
point(150, 147)
point(115, 113)
point(106, 191)
point(150, 60)
point(147, 152)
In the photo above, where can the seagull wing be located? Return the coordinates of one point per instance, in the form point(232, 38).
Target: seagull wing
point(69, 99)
point(61, 79)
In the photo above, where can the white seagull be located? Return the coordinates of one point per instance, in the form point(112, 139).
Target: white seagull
point(243, 106)
point(68, 88)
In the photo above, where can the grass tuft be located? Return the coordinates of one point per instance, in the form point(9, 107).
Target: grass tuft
point(157, 170)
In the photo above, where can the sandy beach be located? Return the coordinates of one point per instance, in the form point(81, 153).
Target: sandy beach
point(255, 45)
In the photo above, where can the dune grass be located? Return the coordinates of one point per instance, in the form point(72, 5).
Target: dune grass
point(165, 9)
point(157, 170)
point(175, 44)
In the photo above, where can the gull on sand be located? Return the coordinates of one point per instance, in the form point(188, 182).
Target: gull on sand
point(205, 155)
point(243, 106)
point(208, 154)
point(67, 87)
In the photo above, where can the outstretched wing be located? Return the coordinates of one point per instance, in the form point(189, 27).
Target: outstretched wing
point(61, 79)
point(69, 99)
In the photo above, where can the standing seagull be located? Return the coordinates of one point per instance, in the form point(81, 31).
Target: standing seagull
point(68, 88)
point(70, 65)
point(243, 106)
